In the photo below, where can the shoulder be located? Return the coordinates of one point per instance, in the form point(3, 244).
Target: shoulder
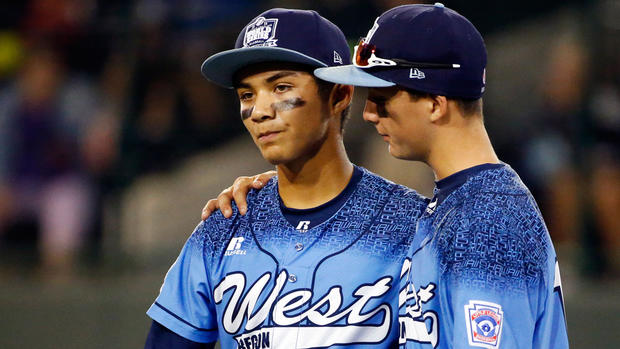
point(496, 232)
point(375, 186)
point(218, 230)
point(498, 198)
point(501, 201)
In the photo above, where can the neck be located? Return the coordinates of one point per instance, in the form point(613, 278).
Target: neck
point(314, 181)
point(459, 147)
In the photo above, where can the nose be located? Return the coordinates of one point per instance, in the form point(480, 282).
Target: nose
point(263, 109)
point(370, 112)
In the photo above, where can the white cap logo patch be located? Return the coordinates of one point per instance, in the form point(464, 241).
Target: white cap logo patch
point(484, 323)
point(415, 73)
point(337, 58)
point(261, 32)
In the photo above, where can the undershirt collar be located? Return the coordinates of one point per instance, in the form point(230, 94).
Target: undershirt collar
point(446, 186)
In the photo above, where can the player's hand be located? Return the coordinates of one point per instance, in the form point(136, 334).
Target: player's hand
point(237, 192)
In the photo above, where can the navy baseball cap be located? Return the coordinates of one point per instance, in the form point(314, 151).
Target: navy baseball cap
point(427, 48)
point(280, 35)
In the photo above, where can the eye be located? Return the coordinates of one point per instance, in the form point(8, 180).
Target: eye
point(377, 100)
point(281, 88)
point(245, 96)
point(380, 102)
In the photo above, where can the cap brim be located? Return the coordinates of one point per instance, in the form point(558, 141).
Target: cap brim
point(350, 75)
point(221, 67)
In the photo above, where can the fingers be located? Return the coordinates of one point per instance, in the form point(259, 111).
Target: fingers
point(262, 179)
point(237, 192)
point(209, 208)
point(224, 202)
point(240, 190)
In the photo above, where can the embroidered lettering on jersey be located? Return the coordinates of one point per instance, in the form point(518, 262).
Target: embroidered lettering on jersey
point(413, 325)
point(234, 247)
point(256, 340)
point(321, 313)
point(484, 323)
point(261, 32)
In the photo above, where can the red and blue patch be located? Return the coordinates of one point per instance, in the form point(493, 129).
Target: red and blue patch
point(484, 323)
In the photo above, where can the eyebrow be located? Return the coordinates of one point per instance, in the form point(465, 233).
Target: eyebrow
point(280, 75)
point(270, 79)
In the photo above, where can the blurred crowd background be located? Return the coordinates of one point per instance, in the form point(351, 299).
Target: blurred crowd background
point(111, 141)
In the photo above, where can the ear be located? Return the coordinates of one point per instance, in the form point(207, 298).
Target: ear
point(340, 98)
point(439, 108)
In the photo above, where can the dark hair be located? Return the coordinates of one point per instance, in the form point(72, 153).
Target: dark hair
point(467, 106)
point(325, 88)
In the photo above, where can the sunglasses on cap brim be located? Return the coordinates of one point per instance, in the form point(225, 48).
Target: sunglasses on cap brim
point(365, 57)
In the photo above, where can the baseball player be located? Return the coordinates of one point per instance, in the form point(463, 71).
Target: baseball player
point(481, 270)
point(316, 261)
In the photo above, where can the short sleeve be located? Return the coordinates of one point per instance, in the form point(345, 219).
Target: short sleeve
point(490, 318)
point(184, 304)
point(501, 294)
point(551, 331)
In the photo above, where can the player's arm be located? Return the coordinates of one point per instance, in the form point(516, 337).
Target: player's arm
point(185, 302)
point(237, 192)
point(160, 337)
point(502, 297)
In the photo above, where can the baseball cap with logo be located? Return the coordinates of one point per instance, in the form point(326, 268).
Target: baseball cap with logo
point(280, 35)
point(427, 48)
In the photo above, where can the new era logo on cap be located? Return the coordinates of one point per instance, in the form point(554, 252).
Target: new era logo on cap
point(337, 58)
point(415, 73)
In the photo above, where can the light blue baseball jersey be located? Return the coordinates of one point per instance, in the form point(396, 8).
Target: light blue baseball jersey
point(482, 271)
point(255, 281)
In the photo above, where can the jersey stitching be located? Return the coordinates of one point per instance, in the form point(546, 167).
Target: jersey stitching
point(184, 321)
point(356, 239)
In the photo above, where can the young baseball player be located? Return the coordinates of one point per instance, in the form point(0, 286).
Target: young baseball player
point(316, 262)
point(481, 271)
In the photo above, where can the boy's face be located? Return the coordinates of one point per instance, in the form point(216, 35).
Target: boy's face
point(283, 112)
point(402, 121)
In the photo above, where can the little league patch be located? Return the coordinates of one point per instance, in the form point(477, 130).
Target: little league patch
point(484, 323)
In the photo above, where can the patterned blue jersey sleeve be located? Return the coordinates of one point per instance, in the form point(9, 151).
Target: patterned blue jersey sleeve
point(184, 304)
point(500, 280)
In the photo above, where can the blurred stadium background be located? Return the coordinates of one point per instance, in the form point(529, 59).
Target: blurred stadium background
point(111, 142)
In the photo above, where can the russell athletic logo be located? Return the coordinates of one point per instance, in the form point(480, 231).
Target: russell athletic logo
point(234, 247)
point(260, 316)
point(303, 226)
point(261, 32)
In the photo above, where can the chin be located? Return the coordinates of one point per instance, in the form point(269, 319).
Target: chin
point(395, 152)
point(403, 155)
point(275, 158)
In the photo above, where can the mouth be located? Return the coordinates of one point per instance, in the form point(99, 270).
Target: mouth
point(268, 136)
point(384, 135)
